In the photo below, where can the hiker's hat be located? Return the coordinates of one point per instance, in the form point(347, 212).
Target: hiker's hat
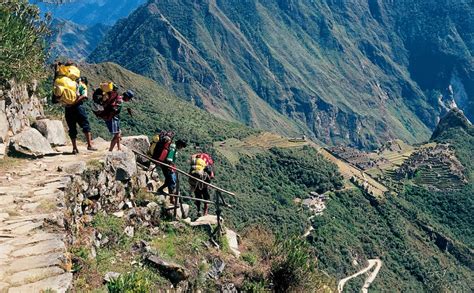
point(128, 94)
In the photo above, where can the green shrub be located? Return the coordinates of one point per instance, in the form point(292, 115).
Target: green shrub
point(250, 258)
point(293, 266)
point(22, 32)
point(134, 282)
point(254, 287)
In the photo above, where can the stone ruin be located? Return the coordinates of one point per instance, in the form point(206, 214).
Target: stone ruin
point(355, 157)
point(436, 167)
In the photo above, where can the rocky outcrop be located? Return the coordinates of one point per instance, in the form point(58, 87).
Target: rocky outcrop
point(19, 106)
point(232, 240)
point(3, 129)
point(453, 119)
point(30, 142)
point(139, 143)
point(22, 105)
point(174, 272)
point(123, 164)
point(53, 130)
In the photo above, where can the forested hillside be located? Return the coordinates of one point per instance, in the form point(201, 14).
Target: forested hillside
point(355, 73)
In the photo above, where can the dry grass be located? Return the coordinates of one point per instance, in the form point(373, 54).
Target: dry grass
point(8, 163)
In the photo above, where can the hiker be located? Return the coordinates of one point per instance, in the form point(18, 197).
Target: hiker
point(166, 151)
point(201, 168)
point(107, 105)
point(71, 90)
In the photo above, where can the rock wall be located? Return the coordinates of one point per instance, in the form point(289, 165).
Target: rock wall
point(19, 106)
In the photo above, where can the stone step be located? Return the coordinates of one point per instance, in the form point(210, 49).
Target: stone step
point(33, 262)
point(34, 275)
point(57, 284)
point(52, 245)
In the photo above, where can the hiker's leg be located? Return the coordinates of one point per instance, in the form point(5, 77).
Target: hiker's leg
point(198, 195)
point(83, 122)
point(113, 142)
point(116, 131)
point(108, 123)
point(89, 141)
point(74, 145)
point(71, 119)
point(172, 185)
point(206, 196)
point(119, 137)
point(165, 175)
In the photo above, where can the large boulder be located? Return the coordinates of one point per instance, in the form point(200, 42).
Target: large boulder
point(139, 143)
point(30, 142)
point(122, 163)
point(173, 272)
point(53, 130)
point(232, 240)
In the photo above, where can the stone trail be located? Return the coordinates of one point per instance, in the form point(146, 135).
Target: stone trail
point(33, 255)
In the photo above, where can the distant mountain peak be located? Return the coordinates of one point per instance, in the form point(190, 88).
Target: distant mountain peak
point(454, 118)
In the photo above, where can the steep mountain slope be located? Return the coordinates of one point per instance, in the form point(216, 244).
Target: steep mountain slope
point(74, 41)
point(89, 12)
point(352, 72)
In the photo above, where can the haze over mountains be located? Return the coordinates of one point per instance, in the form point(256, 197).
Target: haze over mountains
point(89, 12)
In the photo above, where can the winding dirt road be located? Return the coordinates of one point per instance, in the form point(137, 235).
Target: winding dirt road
point(372, 262)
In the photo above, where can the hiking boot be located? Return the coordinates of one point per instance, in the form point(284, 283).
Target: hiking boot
point(75, 151)
point(91, 148)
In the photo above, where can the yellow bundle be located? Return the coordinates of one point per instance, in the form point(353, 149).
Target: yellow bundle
point(65, 89)
point(153, 144)
point(70, 71)
point(198, 165)
point(65, 86)
point(106, 86)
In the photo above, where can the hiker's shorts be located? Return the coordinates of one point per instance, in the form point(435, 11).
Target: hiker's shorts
point(76, 115)
point(113, 125)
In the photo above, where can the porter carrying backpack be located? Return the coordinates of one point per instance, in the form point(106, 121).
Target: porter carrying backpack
point(160, 145)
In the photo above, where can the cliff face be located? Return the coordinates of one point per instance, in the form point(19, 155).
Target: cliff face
point(354, 72)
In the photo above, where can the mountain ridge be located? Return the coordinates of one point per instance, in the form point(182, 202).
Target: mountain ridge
point(341, 70)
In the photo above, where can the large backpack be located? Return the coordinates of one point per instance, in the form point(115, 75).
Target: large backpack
point(65, 86)
point(160, 146)
point(105, 94)
point(202, 163)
